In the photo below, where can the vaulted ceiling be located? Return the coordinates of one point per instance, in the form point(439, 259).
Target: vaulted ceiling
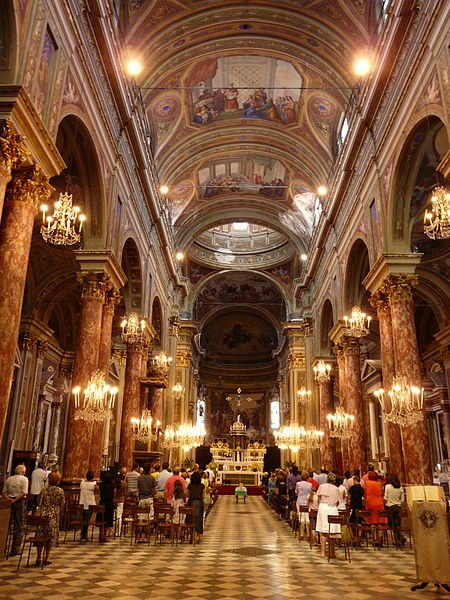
point(244, 101)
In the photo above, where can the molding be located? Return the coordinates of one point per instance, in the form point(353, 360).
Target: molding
point(102, 261)
point(391, 264)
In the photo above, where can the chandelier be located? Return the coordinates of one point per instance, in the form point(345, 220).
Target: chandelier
point(437, 222)
point(404, 403)
point(186, 436)
point(177, 391)
point(133, 329)
point(303, 394)
point(98, 399)
point(340, 424)
point(296, 437)
point(358, 324)
point(322, 372)
point(60, 229)
point(161, 360)
point(142, 428)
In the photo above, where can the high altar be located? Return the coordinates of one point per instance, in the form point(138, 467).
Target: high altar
point(237, 458)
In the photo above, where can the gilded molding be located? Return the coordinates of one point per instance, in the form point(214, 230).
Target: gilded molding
point(380, 302)
point(339, 349)
point(174, 325)
point(399, 287)
point(28, 185)
point(95, 285)
point(42, 348)
point(112, 299)
point(296, 361)
point(12, 147)
point(350, 346)
point(184, 359)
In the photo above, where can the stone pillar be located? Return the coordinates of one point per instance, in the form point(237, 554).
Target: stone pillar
point(415, 439)
point(39, 424)
point(131, 402)
point(111, 301)
point(338, 351)
point(53, 445)
point(354, 405)
point(79, 433)
point(12, 153)
point(380, 303)
point(326, 407)
point(183, 375)
point(25, 192)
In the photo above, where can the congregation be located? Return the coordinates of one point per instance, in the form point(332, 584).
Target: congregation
point(141, 501)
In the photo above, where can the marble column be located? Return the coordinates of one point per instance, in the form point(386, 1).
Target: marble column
point(354, 405)
point(25, 192)
point(338, 351)
point(12, 152)
point(326, 407)
point(380, 303)
point(54, 438)
point(415, 439)
point(131, 402)
point(79, 432)
point(104, 353)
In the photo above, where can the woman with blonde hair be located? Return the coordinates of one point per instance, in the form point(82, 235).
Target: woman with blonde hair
point(51, 503)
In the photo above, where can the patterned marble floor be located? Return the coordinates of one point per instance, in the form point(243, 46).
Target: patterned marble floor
point(247, 554)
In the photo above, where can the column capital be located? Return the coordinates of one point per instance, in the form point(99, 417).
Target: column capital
point(338, 349)
point(338, 330)
point(296, 331)
point(28, 185)
point(13, 150)
point(350, 346)
point(391, 265)
point(380, 301)
point(399, 287)
point(95, 285)
point(112, 299)
point(174, 325)
point(102, 261)
point(296, 360)
point(183, 358)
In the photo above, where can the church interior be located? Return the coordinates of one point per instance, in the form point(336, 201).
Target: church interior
point(224, 240)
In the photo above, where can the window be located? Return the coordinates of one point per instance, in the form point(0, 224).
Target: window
point(275, 414)
point(241, 227)
point(343, 131)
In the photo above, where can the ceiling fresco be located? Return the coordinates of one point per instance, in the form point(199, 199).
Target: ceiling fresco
point(244, 102)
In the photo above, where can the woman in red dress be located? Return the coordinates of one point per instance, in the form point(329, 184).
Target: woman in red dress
point(373, 498)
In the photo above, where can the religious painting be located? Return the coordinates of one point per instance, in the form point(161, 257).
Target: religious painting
point(249, 174)
point(197, 272)
point(225, 408)
point(44, 73)
point(282, 272)
point(246, 87)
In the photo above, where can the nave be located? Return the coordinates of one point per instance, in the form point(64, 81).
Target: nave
point(246, 554)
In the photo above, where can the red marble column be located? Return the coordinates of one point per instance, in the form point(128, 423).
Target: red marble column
point(380, 302)
point(326, 407)
point(12, 153)
point(104, 353)
point(338, 351)
point(27, 189)
point(357, 444)
point(131, 402)
point(415, 440)
point(79, 433)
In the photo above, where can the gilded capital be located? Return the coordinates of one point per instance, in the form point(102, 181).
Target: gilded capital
point(42, 348)
point(29, 185)
point(380, 302)
point(399, 287)
point(338, 349)
point(296, 361)
point(184, 359)
point(95, 285)
point(12, 147)
point(350, 346)
point(112, 299)
point(174, 325)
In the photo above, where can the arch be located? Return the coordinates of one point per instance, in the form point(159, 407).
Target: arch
point(132, 292)
point(415, 177)
point(326, 324)
point(157, 321)
point(82, 177)
point(9, 54)
point(357, 268)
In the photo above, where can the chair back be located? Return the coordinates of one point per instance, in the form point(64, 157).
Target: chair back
point(383, 514)
point(186, 510)
point(363, 514)
point(37, 521)
point(163, 513)
point(336, 520)
point(303, 509)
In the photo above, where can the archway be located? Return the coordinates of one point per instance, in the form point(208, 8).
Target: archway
point(326, 324)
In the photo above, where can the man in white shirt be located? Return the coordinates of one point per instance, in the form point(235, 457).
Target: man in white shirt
point(16, 489)
point(38, 482)
point(87, 499)
point(161, 479)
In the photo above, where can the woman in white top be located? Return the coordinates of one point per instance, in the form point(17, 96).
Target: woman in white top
point(343, 493)
point(393, 498)
point(328, 495)
point(87, 499)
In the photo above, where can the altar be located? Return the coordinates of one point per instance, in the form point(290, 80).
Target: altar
point(238, 459)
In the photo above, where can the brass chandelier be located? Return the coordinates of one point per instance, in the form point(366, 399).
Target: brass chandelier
point(436, 223)
point(296, 437)
point(143, 428)
point(133, 329)
point(340, 424)
point(186, 436)
point(357, 324)
point(98, 399)
point(303, 395)
point(322, 372)
point(403, 404)
point(63, 228)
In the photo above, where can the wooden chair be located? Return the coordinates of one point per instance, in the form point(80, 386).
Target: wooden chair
point(363, 529)
point(163, 523)
point(405, 525)
point(188, 525)
point(312, 515)
point(345, 543)
point(302, 511)
point(9, 536)
point(142, 524)
point(128, 516)
point(35, 534)
point(381, 530)
point(98, 520)
point(74, 519)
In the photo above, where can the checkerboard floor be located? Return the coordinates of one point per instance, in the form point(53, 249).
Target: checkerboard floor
point(246, 554)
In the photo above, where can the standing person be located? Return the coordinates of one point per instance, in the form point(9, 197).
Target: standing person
point(356, 493)
point(323, 477)
point(38, 481)
point(292, 479)
point(271, 485)
point(147, 489)
point(170, 483)
point(132, 479)
point(373, 495)
point(51, 502)
point(195, 490)
point(87, 498)
point(106, 500)
point(161, 479)
point(303, 490)
point(328, 495)
point(342, 493)
point(119, 499)
point(393, 498)
point(178, 500)
point(16, 489)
